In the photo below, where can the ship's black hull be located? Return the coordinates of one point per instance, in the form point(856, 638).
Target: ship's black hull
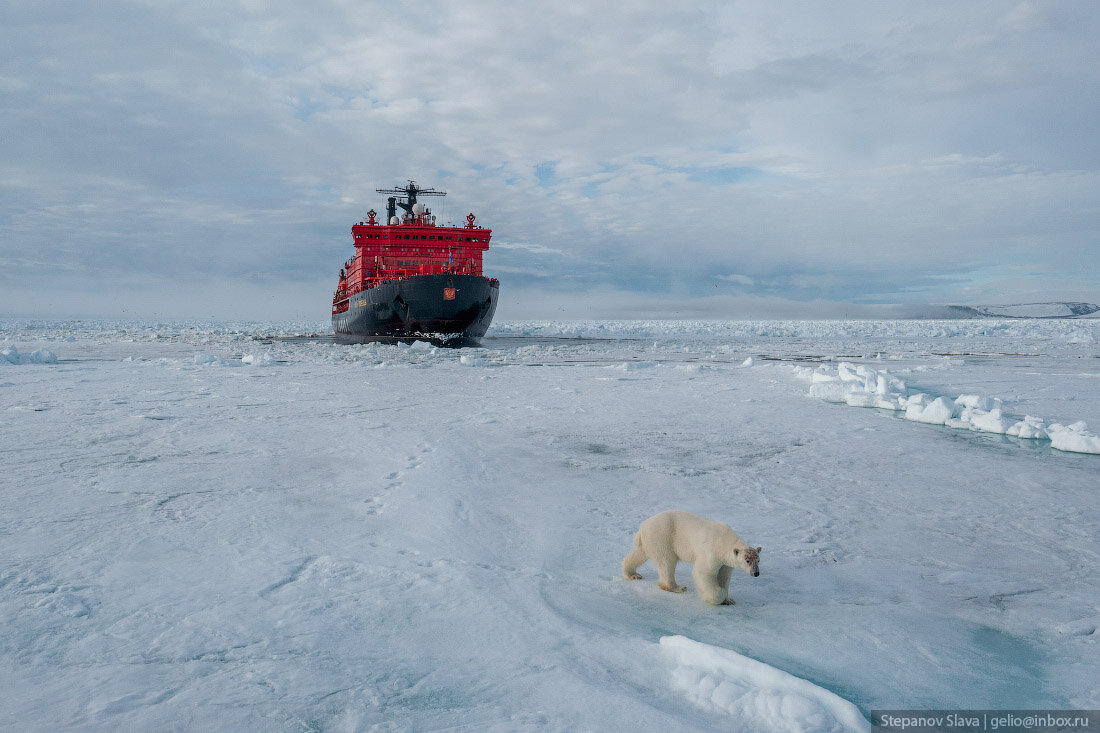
point(420, 307)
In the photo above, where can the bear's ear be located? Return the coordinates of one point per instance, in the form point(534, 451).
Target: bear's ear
point(759, 550)
point(737, 551)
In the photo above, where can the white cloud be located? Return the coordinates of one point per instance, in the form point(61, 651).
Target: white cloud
point(738, 279)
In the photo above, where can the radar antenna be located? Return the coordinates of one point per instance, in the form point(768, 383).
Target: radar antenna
point(409, 192)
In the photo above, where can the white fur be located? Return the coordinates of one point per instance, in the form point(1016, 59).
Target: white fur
point(712, 548)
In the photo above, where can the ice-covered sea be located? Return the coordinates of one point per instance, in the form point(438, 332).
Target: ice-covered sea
point(248, 527)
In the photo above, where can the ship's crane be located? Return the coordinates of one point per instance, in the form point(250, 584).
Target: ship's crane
point(410, 193)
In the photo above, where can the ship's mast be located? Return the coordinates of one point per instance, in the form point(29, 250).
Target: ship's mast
point(409, 192)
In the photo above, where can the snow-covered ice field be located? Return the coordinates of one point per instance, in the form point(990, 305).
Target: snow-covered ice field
point(238, 527)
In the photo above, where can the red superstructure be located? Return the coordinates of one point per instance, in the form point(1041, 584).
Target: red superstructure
point(402, 248)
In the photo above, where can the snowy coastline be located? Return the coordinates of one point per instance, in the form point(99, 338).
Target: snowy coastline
point(243, 526)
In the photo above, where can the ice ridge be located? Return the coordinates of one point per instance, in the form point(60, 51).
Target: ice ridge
point(862, 386)
point(755, 695)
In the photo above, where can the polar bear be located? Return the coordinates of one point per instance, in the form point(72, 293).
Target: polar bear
point(712, 547)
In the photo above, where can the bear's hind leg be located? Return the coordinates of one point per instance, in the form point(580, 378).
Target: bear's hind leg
point(635, 558)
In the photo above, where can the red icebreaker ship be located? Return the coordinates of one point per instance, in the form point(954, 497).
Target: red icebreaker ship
point(410, 278)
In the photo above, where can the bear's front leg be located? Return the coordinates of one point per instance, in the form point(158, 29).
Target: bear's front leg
point(706, 582)
point(724, 574)
point(666, 575)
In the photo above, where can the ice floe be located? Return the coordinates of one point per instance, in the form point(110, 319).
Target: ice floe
point(1075, 437)
point(263, 360)
point(202, 359)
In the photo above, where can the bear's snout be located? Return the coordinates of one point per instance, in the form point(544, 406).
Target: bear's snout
point(756, 573)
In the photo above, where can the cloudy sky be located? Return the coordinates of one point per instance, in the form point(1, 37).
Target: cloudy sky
point(686, 159)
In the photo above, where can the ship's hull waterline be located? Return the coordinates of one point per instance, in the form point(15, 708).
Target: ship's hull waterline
point(444, 307)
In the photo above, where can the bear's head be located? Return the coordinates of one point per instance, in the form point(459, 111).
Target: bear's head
point(749, 559)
